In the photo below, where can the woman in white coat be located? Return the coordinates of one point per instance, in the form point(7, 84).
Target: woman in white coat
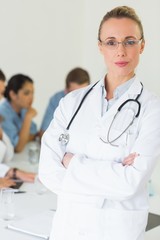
point(7, 174)
point(100, 162)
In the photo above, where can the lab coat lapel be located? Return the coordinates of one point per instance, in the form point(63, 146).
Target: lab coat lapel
point(95, 100)
point(132, 93)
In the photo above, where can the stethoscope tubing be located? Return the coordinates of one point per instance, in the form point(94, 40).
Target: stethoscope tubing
point(80, 105)
point(65, 137)
point(133, 100)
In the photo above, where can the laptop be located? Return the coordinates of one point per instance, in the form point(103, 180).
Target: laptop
point(18, 183)
point(153, 221)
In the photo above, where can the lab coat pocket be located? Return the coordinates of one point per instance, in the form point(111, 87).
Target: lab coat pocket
point(74, 221)
point(88, 222)
point(131, 135)
point(110, 224)
point(78, 222)
point(62, 226)
point(127, 224)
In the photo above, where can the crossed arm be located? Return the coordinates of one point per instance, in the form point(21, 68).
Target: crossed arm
point(129, 160)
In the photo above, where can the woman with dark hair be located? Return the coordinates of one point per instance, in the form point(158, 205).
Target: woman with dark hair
point(17, 111)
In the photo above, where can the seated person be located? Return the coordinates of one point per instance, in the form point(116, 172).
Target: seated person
point(17, 111)
point(6, 182)
point(7, 173)
point(2, 86)
point(76, 78)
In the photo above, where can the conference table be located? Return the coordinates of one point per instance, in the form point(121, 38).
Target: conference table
point(36, 200)
point(33, 200)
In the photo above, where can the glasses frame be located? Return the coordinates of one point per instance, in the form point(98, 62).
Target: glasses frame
point(114, 47)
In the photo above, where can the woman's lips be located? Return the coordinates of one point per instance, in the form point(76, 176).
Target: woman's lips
point(121, 64)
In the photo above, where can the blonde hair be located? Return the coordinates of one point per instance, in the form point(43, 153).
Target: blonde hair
point(122, 12)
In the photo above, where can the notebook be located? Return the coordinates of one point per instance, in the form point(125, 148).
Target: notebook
point(38, 225)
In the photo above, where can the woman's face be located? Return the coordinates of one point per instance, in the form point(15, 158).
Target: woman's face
point(2, 88)
point(24, 97)
point(121, 61)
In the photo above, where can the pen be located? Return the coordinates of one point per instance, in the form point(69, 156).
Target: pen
point(20, 192)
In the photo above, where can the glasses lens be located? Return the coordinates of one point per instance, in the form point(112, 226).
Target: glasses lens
point(130, 43)
point(111, 44)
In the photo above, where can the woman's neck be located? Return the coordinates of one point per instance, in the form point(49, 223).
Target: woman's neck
point(112, 82)
point(16, 108)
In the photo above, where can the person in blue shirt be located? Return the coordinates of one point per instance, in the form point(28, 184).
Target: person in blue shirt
point(17, 111)
point(76, 78)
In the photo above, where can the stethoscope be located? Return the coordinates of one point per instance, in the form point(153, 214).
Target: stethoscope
point(64, 137)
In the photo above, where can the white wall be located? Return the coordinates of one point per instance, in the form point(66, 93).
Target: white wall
point(41, 38)
point(46, 38)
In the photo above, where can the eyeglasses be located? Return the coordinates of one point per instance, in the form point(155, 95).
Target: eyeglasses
point(127, 43)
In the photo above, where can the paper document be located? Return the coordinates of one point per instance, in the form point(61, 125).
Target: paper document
point(38, 225)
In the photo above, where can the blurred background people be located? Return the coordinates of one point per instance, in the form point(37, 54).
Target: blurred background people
point(2, 86)
point(6, 148)
point(76, 78)
point(17, 111)
point(7, 174)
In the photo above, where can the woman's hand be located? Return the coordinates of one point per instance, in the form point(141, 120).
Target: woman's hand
point(25, 176)
point(129, 160)
point(66, 159)
point(6, 182)
point(31, 113)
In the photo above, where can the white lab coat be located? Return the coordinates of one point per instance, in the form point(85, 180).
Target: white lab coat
point(6, 154)
point(98, 197)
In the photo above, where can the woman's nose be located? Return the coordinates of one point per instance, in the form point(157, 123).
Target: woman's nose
point(121, 50)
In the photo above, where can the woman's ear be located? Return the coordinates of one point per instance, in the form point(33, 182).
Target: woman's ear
point(100, 47)
point(12, 94)
point(142, 46)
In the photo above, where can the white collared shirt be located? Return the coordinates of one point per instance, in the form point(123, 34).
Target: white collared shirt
point(118, 92)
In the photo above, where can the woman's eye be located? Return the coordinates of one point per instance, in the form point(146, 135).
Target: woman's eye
point(111, 43)
point(130, 42)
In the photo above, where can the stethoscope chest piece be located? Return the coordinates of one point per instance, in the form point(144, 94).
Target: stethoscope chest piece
point(64, 138)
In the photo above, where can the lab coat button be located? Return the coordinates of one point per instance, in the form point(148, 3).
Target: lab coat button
point(82, 233)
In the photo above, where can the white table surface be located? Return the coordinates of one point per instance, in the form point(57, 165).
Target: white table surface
point(153, 234)
point(29, 203)
point(21, 160)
